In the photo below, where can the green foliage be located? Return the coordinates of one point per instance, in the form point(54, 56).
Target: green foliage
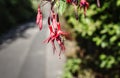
point(99, 35)
point(107, 61)
point(72, 66)
point(61, 6)
point(14, 12)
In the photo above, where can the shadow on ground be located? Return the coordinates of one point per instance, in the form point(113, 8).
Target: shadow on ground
point(13, 34)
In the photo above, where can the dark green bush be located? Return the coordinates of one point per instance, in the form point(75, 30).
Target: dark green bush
point(13, 12)
point(99, 35)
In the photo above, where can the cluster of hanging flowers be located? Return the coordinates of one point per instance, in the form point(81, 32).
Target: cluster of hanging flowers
point(54, 25)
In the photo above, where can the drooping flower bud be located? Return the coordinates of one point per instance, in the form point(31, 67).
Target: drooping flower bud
point(84, 4)
point(39, 18)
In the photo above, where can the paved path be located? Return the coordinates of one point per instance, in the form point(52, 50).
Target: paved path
point(28, 57)
point(14, 54)
point(25, 56)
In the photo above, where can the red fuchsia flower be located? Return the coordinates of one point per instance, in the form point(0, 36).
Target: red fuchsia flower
point(68, 1)
point(84, 4)
point(39, 18)
point(58, 31)
point(54, 21)
point(54, 25)
point(52, 34)
point(74, 3)
point(53, 46)
point(61, 44)
point(55, 33)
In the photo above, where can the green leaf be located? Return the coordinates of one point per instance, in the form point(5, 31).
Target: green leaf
point(119, 44)
point(108, 65)
point(103, 31)
point(110, 61)
point(78, 61)
point(62, 7)
point(118, 59)
point(97, 40)
point(113, 39)
point(67, 74)
point(118, 2)
point(104, 44)
point(103, 64)
point(102, 57)
point(75, 68)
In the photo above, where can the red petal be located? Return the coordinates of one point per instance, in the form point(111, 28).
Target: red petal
point(38, 18)
point(68, 1)
point(40, 22)
point(38, 15)
point(53, 46)
point(54, 20)
point(50, 28)
point(61, 45)
point(58, 25)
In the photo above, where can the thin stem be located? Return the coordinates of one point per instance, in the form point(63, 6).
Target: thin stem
point(98, 3)
point(44, 4)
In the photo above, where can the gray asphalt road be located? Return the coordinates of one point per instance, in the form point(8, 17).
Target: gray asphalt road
point(13, 54)
point(25, 56)
point(28, 57)
point(34, 64)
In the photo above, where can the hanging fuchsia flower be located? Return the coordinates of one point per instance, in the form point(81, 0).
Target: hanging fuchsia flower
point(39, 18)
point(50, 38)
point(55, 32)
point(54, 21)
point(84, 4)
point(52, 34)
point(61, 44)
point(68, 1)
point(59, 32)
point(53, 46)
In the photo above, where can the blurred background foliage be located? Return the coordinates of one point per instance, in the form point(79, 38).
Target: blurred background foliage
point(98, 37)
point(14, 12)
